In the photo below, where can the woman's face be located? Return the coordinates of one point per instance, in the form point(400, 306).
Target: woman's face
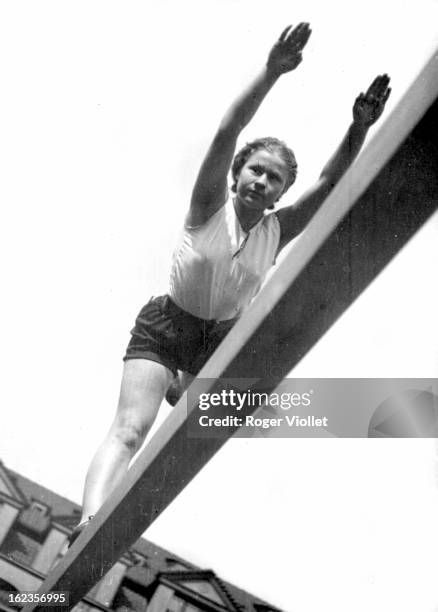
point(262, 180)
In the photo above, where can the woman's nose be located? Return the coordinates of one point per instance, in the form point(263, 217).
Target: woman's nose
point(261, 181)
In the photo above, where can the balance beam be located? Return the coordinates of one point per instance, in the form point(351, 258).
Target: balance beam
point(290, 314)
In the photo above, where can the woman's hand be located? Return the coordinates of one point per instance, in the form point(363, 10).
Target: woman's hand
point(369, 106)
point(286, 54)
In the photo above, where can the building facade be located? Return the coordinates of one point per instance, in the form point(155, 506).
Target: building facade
point(34, 527)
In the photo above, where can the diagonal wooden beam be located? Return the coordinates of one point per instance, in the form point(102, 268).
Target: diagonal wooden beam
point(292, 311)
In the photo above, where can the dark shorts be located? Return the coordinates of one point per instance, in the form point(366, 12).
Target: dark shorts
point(171, 336)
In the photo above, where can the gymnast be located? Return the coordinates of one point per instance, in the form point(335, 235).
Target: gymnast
point(230, 241)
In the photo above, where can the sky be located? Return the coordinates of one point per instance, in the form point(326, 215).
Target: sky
point(106, 110)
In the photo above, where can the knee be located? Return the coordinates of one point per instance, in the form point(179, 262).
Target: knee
point(141, 393)
point(130, 435)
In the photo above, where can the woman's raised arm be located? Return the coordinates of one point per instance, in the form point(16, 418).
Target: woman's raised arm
point(367, 109)
point(209, 192)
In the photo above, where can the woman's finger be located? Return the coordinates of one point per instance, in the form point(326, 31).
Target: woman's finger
point(306, 32)
point(283, 35)
point(373, 88)
point(299, 35)
point(379, 85)
point(386, 96)
point(383, 84)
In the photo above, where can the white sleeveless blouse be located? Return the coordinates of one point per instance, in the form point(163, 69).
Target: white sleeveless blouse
point(218, 268)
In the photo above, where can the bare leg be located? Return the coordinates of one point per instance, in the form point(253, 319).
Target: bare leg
point(144, 385)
